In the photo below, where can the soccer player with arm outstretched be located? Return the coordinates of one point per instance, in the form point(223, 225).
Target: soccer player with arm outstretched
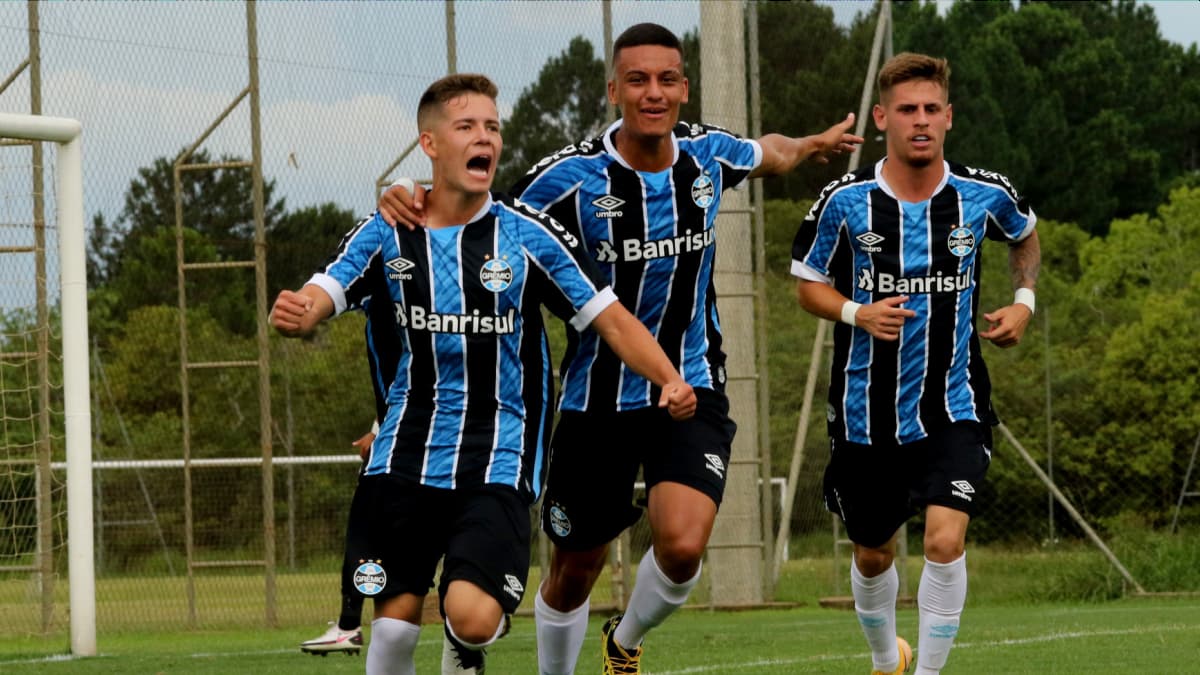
point(643, 196)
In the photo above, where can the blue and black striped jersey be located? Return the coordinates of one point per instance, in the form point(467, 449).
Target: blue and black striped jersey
point(870, 245)
point(653, 236)
point(383, 342)
point(470, 402)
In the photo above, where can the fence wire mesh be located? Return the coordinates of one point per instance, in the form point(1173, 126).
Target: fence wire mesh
point(338, 88)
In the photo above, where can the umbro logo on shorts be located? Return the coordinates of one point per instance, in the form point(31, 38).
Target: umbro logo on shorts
point(513, 586)
point(714, 464)
point(962, 489)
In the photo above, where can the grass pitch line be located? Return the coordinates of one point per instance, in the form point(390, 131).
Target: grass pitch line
point(1051, 637)
point(53, 658)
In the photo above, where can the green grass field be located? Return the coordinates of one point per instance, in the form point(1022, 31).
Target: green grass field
point(1126, 636)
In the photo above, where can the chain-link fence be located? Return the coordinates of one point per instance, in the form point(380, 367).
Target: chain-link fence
point(337, 88)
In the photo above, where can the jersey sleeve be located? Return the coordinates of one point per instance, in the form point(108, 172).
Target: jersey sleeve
point(574, 280)
point(1010, 217)
point(815, 244)
point(736, 156)
point(551, 181)
point(345, 276)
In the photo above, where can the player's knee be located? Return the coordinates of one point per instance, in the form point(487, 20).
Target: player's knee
point(475, 629)
point(872, 562)
point(679, 558)
point(943, 547)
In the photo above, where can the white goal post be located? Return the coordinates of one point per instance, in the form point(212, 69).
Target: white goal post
point(77, 413)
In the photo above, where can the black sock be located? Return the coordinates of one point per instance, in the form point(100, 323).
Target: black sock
point(351, 618)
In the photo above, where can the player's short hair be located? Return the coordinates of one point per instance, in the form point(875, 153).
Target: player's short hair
point(448, 88)
point(642, 34)
point(907, 66)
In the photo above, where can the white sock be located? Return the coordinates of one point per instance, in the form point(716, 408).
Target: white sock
point(940, 598)
point(560, 636)
point(454, 648)
point(875, 604)
point(391, 649)
point(654, 598)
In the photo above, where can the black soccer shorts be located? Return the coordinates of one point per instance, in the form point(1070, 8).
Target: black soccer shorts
point(876, 488)
point(402, 529)
point(595, 457)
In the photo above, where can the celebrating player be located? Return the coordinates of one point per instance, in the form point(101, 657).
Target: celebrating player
point(644, 196)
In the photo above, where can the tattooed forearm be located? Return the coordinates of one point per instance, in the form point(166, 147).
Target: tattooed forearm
point(1025, 261)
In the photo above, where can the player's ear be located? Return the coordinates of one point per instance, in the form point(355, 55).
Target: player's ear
point(428, 144)
point(685, 91)
point(612, 92)
point(880, 116)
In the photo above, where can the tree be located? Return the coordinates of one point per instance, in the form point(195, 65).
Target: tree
point(134, 255)
point(297, 241)
point(566, 104)
point(811, 76)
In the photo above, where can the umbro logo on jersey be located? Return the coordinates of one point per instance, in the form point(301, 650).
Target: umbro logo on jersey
point(714, 464)
point(870, 242)
point(399, 269)
point(608, 205)
point(962, 489)
point(513, 586)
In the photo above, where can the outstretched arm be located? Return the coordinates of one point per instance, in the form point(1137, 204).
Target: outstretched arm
point(297, 313)
point(633, 343)
point(1006, 326)
point(781, 153)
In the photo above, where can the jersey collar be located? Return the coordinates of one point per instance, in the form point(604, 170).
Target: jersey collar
point(887, 189)
point(611, 147)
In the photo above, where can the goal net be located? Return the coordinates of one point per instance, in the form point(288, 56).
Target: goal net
point(45, 514)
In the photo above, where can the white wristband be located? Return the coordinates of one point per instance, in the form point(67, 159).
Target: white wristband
point(849, 309)
point(375, 427)
point(1024, 296)
point(406, 183)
